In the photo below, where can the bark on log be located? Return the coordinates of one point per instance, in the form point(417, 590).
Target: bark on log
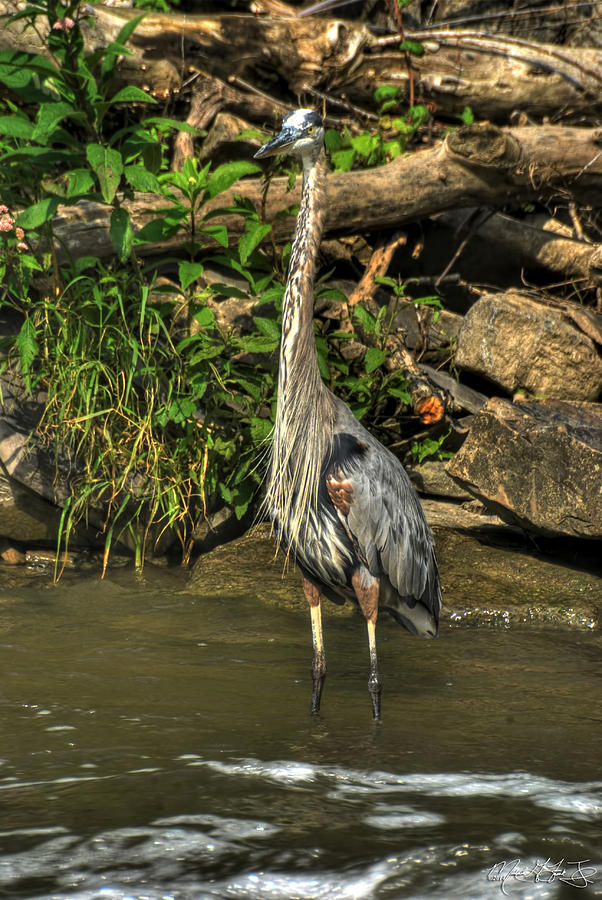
point(476, 165)
point(534, 247)
point(494, 75)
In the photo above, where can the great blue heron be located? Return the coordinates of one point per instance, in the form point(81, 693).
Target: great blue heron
point(342, 505)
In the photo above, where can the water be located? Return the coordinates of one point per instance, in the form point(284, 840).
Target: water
point(156, 743)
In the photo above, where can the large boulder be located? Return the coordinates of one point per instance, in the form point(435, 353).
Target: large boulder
point(537, 464)
point(522, 345)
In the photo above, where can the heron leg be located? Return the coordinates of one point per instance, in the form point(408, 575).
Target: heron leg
point(366, 589)
point(318, 669)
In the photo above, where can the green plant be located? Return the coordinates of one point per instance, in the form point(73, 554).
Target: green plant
point(61, 139)
point(426, 447)
point(160, 408)
point(399, 290)
point(369, 388)
point(387, 141)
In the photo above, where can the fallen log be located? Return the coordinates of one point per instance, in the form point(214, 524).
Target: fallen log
point(478, 165)
point(493, 74)
point(533, 247)
point(537, 464)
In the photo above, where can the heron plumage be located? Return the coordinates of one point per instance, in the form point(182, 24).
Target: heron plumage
point(341, 504)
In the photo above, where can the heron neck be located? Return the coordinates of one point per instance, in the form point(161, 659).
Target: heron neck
point(299, 381)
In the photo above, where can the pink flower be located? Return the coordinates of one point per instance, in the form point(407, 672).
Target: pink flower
point(6, 222)
point(3, 209)
point(20, 233)
point(22, 246)
point(63, 24)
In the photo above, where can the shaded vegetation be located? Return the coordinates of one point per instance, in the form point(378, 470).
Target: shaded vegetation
point(165, 410)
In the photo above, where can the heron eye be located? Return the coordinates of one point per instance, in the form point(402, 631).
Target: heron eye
point(310, 129)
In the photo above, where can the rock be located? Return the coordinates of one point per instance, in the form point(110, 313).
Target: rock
point(10, 554)
point(489, 577)
point(431, 477)
point(24, 516)
point(220, 527)
point(520, 344)
point(538, 464)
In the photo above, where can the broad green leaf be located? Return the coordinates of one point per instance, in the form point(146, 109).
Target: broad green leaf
point(386, 92)
point(374, 358)
point(27, 345)
point(27, 261)
point(162, 123)
point(219, 233)
point(49, 116)
point(189, 272)
point(80, 182)
point(333, 140)
point(38, 213)
point(252, 237)
point(85, 262)
point(108, 165)
point(332, 294)
point(205, 317)
point(141, 179)
point(366, 319)
point(181, 409)
point(16, 126)
point(257, 344)
point(273, 294)
point(17, 68)
point(241, 498)
point(128, 29)
point(208, 351)
point(467, 116)
point(400, 394)
point(364, 143)
point(132, 94)
point(268, 327)
point(152, 157)
point(414, 47)
point(121, 232)
point(158, 230)
point(386, 280)
point(227, 174)
point(419, 114)
point(261, 430)
point(393, 148)
point(342, 160)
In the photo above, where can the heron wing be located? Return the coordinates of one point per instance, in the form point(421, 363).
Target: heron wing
point(384, 518)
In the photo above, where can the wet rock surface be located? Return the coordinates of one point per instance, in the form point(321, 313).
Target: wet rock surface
point(538, 464)
point(490, 575)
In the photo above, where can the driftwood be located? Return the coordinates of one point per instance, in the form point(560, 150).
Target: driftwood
point(495, 75)
point(476, 165)
point(530, 246)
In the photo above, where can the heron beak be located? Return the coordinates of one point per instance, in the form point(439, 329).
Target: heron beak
point(277, 145)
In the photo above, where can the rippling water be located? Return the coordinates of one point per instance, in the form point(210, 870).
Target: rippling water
point(156, 744)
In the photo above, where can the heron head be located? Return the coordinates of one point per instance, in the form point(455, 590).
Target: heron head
point(302, 134)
